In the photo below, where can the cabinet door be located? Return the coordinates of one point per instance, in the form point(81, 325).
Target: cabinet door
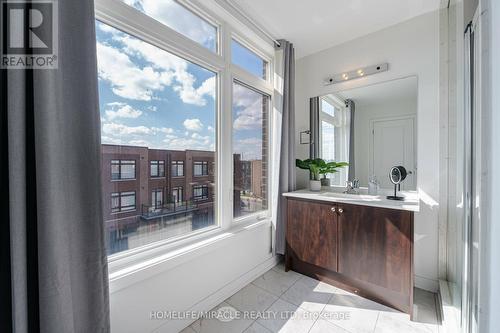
point(312, 233)
point(375, 245)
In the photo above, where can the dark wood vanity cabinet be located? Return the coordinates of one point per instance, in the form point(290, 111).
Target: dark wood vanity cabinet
point(313, 233)
point(366, 250)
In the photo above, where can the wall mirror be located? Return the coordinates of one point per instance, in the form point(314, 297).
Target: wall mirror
point(373, 128)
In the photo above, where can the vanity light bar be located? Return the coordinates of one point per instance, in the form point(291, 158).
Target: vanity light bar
point(357, 73)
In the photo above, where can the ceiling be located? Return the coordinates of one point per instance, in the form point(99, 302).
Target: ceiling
point(386, 92)
point(315, 25)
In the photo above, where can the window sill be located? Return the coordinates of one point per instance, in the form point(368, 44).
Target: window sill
point(131, 268)
point(123, 212)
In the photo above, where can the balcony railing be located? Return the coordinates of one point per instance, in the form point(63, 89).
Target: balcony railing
point(150, 212)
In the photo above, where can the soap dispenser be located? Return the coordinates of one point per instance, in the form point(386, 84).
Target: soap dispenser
point(373, 186)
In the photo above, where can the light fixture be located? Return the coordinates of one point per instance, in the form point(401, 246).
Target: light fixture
point(357, 73)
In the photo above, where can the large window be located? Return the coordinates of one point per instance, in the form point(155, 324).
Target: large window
point(200, 168)
point(250, 150)
point(177, 168)
point(179, 18)
point(152, 103)
point(122, 202)
point(166, 133)
point(157, 168)
point(122, 169)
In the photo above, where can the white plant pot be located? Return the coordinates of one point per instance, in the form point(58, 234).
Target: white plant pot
point(315, 185)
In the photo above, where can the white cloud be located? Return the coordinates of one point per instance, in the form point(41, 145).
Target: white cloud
point(121, 110)
point(121, 130)
point(110, 141)
point(250, 104)
point(165, 130)
point(140, 142)
point(193, 124)
point(177, 68)
point(128, 80)
point(249, 148)
point(210, 129)
point(182, 143)
point(178, 18)
point(192, 95)
point(152, 108)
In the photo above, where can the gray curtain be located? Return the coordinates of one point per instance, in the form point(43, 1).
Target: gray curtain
point(53, 274)
point(287, 177)
point(351, 109)
point(314, 109)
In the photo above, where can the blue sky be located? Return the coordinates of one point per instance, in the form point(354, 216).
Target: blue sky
point(149, 97)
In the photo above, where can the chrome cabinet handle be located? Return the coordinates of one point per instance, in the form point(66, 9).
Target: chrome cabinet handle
point(341, 210)
point(333, 209)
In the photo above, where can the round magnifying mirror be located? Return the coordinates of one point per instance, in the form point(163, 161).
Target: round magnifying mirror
point(397, 174)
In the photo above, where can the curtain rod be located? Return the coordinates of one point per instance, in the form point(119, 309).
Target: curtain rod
point(249, 19)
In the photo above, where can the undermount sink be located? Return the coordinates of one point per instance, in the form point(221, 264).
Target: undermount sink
point(359, 196)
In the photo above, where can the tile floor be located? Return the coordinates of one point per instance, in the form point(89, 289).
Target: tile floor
point(280, 301)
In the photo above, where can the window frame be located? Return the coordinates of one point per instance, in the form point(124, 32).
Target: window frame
point(120, 163)
point(120, 195)
point(203, 196)
point(158, 164)
point(154, 197)
point(177, 163)
point(179, 190)
point(204, 167)
point(340, 132)
point(121, 16)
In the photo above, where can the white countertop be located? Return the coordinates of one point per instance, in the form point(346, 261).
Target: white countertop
point(411, 202)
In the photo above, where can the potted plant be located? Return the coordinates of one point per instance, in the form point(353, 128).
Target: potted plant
point(326, 168)
point(319, 167)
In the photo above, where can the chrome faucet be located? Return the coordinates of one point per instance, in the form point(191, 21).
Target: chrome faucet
point(352, 187)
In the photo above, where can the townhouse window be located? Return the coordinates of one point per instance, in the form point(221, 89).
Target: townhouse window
point(122, 202)
point(177, 168)
point(157, 168)
point(200, 168)
point(122, 169)
point(157, 198)
point(177, 194)
point(200, 192)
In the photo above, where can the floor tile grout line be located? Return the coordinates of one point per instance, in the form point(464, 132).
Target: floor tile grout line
point(376, 322)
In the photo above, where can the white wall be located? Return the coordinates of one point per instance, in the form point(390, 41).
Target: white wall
point(195, 281)
point(410, 48)
point(490, 272)
point(362, 135)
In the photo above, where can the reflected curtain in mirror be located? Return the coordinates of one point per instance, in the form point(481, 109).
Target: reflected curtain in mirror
point(351, 108)
point(314, 124)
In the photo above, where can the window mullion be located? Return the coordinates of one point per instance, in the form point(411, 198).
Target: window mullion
point(225, 141)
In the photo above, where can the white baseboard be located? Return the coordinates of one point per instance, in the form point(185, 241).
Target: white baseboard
point(219, 296)
point(426, 284)
point(449, 314)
